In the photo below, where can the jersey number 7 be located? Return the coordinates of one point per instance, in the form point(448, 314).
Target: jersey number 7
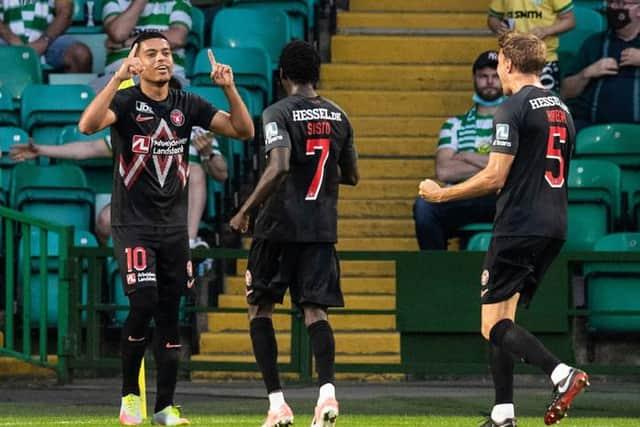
point(323, 144)
point(556, 133)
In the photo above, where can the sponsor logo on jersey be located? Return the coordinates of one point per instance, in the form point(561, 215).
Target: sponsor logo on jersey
point(131, 279)
point(502, 132)
point(547, 101)
point(271, 133)
point(177, 118)
point(524, 14)
point(145, 276)
point(141, 118)
point(143, 107)
point(140, 144)
point(315, 114)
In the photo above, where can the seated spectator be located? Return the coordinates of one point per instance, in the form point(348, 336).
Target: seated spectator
point(40, 24)
point(547, 19)
point(463, 150)
point(203, 156)
point(602, 83)
point(124, 20)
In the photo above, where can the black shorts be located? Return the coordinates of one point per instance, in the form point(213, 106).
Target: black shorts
point(152, 256)
point(516, 264)
point(310, 270)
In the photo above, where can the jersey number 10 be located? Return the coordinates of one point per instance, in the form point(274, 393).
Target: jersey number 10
point(323, 144)
point(559, 134)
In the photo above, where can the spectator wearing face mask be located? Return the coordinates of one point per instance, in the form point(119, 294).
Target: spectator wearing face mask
point(603, 83)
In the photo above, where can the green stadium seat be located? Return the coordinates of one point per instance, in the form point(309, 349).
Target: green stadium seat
point(263, 28)
point(300, 20)
point(8, 137)
point(479, 242)
point(99, 172)
point(594, 202)
point(251, 71)
point(81, 238)
point(58, 193)
point(20, 67)
point(597, 5)
point(195, 39)
point(618, 143)
point(47, 108)
point(588, 22)
point(8, 113)
point(71, 78)
point(614, 286)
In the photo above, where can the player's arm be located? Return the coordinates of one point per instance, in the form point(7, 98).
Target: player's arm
point(478, 160)
point(276, 171)
point(237, 123)
point(98, 115)
point(348, 164)
point(73, 150)
point(450, 167)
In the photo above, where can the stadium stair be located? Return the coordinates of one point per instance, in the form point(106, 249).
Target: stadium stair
point(398, 69)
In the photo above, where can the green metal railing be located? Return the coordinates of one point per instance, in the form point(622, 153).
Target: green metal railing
point(16, 223)
point(437, 308)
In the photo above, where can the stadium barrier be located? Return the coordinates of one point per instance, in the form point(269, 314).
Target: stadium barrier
point(437, 310)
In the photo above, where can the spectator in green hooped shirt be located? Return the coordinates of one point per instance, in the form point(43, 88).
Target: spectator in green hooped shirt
point(124, 20)
point(40, 24)
point(463, 150)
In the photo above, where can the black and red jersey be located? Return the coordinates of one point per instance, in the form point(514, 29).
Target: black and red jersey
point(320, 136)
point(150, 142)
point(537, 128)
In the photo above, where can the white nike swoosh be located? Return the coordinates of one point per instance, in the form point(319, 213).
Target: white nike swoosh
point(141, 118)
point(135, 339)
point(169, 345)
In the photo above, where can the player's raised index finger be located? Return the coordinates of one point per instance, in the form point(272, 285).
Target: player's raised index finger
point(212, 58)
point(133, 51)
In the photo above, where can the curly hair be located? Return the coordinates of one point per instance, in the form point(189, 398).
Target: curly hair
point(300, 62)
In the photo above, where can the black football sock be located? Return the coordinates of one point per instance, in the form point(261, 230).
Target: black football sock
point(501, 364)
point(167, 360)
point(523, 345)
point(265, 349)
point(324, 350)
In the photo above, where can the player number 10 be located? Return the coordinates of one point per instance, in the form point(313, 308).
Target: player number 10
point(136, 258)
point(322, 144)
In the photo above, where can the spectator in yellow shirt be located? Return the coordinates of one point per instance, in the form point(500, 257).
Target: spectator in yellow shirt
point(545, 18)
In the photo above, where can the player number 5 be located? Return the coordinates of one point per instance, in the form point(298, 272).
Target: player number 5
point(556, 133)
point(322, 144)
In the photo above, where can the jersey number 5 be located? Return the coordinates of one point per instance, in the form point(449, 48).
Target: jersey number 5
point(559, 134)
point(322, 144)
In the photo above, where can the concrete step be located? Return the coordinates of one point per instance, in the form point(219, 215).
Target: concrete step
point(219, 322)
point(376, 189)
point(398, 126)
point(352, 302)
point(373, 49)
point(235, 285)
point(378, 244)
point(400, 103)
point(396, 147)
point(389, 208)
point(350, 268)
point(413, 20)
point(354, 343)
point(404, 77)
point(286, 358)
point(418, 169)
point(477, 6)
point(362, 228)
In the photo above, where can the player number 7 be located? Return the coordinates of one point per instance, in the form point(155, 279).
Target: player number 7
point(322, 144)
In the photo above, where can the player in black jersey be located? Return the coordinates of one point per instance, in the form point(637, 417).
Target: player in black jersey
point(310, 150)
point(150, 127)
point(532, 143)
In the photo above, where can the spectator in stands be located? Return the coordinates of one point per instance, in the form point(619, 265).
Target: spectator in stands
point(124, 20)
point(547, 19)
point(203, 156)
point(41, 24)
point(602, 83)
point(463, 149)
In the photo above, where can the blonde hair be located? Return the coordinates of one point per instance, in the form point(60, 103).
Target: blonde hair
point(525, 50)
